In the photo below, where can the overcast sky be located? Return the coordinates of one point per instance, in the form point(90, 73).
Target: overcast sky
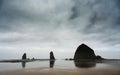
point(39, 26)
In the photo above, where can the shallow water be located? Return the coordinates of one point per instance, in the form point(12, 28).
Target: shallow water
point(61, 64)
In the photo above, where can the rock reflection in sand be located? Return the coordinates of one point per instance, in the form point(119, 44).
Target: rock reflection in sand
point(23, 64)
point(51, 63)
point(85, 64)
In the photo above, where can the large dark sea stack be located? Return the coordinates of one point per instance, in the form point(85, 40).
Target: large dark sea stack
point(84, 52)
point(52, 56)
point(24, 56)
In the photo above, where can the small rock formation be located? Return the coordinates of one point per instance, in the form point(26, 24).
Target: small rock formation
point(98, 57)
point(24, 56)
point(85, 52)
point(52, 59)
point(52, 56)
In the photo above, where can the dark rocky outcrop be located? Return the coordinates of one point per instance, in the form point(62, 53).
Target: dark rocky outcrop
point(52, 56)
point(85, 52)
point(24, 56)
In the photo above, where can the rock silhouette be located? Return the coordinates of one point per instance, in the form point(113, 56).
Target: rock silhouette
point(24, 56)
point(85, 52)
point(52, 60)
point(52, 56)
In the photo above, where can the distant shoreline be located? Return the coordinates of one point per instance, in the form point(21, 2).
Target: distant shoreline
point(21, 60)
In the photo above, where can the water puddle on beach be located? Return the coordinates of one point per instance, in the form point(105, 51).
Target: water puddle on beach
point(61, 64)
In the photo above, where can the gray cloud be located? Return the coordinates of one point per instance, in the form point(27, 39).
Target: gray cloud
point(75, 11)
point(100, 12)
point(59, 24)
point(1, 2)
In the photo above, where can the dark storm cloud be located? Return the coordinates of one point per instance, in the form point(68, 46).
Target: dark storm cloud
point(118, 3)
point(93, 20)
point(21, 14)
point(104, 14)
point(9, 16)
point(8, 28)
point(75, 12)
point(1, 2)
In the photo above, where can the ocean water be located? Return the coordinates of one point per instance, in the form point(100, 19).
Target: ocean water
point(61, 64)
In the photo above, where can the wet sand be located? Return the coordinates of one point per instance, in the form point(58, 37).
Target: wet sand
point(65, 68)
point(52, 71)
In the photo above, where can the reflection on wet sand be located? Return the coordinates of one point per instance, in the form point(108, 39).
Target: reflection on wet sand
point(51, 63)
point(23, 64)
point(85, 64)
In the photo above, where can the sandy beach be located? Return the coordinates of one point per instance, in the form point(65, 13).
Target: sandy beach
point(62, 67)
point(52, 71)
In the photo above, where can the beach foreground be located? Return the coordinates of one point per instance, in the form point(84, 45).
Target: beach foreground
point(51, 71)
point(62, 67)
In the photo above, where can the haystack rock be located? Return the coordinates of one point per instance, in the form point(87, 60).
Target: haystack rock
point(84, 52)
point(52, 56)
